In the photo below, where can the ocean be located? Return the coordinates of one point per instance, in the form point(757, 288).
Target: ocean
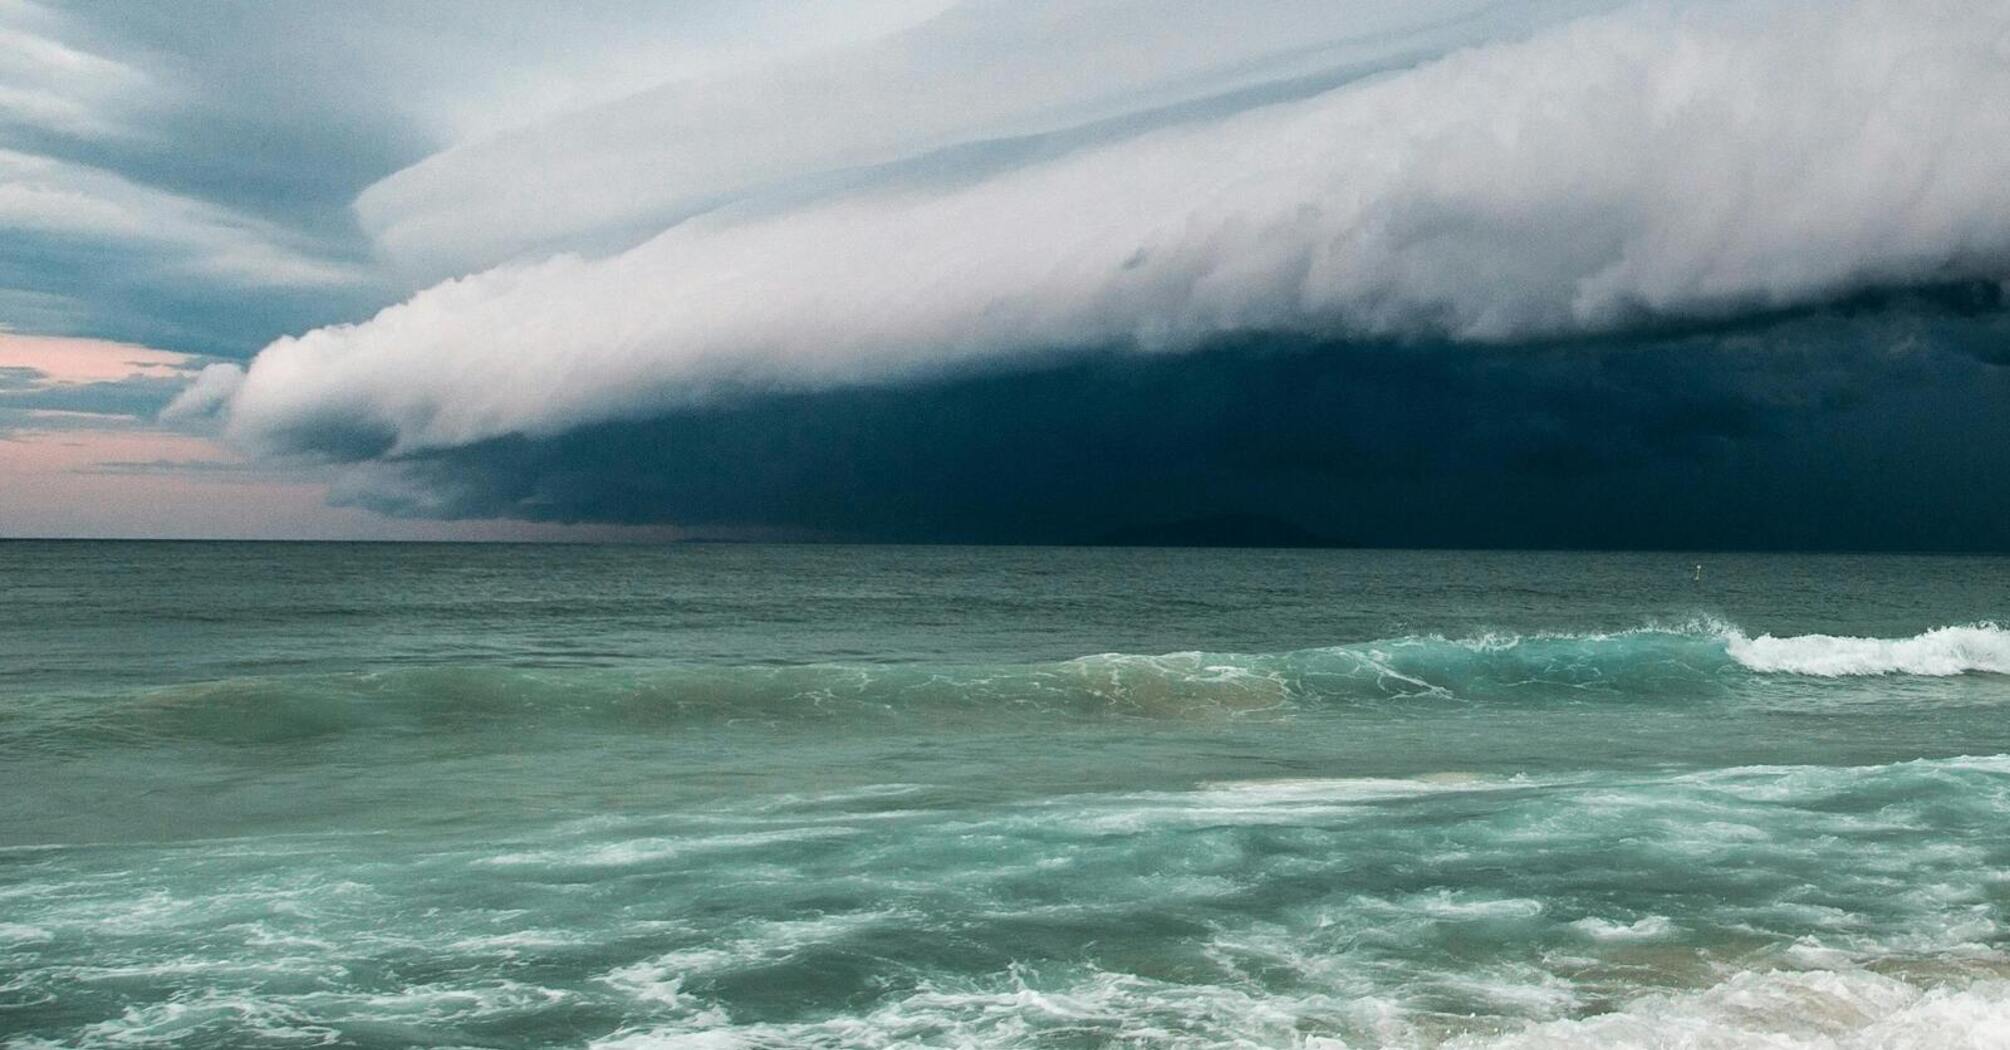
point(378, 795)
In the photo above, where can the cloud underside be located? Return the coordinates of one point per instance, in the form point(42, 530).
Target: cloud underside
point(1701, 248)
point(1853, 428)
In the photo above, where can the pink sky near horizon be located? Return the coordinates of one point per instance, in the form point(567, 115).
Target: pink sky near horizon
point(120, 477)
point(68, 359)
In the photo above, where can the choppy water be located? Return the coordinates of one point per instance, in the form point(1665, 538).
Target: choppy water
point(387, 796)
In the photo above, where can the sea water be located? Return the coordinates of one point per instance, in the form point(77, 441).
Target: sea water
point(806, 796)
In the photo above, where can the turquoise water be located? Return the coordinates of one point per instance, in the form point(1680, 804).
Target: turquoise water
point(753, 796)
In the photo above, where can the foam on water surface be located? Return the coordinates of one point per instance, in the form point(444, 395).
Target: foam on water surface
point(1825, 911)
point(1945, 651)
point(1680, 665)
point(823, 797)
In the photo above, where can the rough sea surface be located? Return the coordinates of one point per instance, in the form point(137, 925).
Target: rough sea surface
point(773, 796)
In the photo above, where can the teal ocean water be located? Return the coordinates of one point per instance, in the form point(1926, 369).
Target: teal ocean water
point(754, 796)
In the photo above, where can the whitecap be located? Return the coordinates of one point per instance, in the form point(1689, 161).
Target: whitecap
point(21, 933)
point(632, 852)
point(1943, 652)
point(1784, 1010)
point(1648, 928)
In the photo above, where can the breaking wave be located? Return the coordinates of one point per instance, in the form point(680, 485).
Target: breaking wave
point(1700, 661)
point(1982, 647)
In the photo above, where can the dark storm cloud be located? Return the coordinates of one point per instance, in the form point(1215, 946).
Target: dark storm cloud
point(1541, 272)
point(1846, 428)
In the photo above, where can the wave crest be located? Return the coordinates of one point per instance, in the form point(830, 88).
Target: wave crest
point(1945, 651)
point(1701, 661)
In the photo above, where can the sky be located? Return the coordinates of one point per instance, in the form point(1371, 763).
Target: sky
point(1695, 274)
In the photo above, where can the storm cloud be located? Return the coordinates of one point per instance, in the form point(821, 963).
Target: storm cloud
point(1697, 273)
point(1661, 163)
point(182, 175)
point(982, 77)
point(1852, 427)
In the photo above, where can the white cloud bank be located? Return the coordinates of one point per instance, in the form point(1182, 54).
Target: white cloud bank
point(1666, 161)
point(982, 69)
point(206, 394)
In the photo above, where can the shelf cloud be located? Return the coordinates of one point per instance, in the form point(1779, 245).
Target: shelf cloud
point(1662, 273)
point(1663, 163)
point(976, 73)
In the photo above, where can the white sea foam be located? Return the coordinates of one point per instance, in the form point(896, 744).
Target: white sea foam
point(1350, 789)
point(1941, 652)
point(1750, 1010)
point(649, 850)
point(446, 1002)
point(509, 944)
point(196, 1019)
point(1786, 1010)
point(816, 800)
point(659, 980)
point(1281, 801)
point(1650, 928)
point(1023, 1011)
point(22, 933)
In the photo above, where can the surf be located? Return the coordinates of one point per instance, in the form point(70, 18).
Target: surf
point(1684, 664)
point(1939, 653)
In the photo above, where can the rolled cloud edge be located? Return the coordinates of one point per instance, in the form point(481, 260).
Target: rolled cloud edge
point(1476, 198)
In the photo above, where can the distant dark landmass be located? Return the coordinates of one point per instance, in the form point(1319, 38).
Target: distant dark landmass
point(1218, 530)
